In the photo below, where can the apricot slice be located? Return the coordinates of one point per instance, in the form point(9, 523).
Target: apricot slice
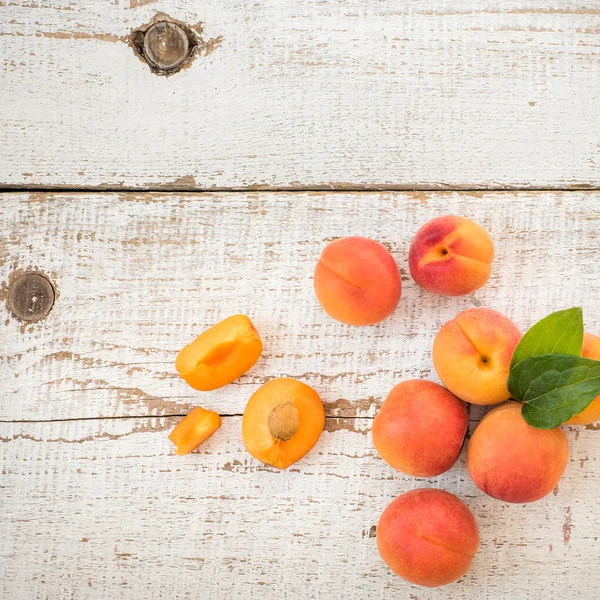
point(220, 354)
point(194, 429)
point(282, 422)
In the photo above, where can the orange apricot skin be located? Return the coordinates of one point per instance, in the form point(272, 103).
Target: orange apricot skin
point(512, 461)
point(420, 428)
point(357, 281)
point(451, 255)
point(220, 355)
point(590, 414)
point(194, 429)
point(472, 354)
point(257, 436)
point(428, 537)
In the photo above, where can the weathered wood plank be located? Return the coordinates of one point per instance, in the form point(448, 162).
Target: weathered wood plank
point(431, 93)
point(103, 509)
point(139, 276)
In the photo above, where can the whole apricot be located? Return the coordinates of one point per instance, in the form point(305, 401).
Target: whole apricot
point(420, 428)
point(357, 281)
point(428, 537)
point(472, 354)
point(451, 255)
point(590, 414)
point(282, 422)
point(512, 461)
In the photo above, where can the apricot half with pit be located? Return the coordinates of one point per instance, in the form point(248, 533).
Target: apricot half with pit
point(282, 422)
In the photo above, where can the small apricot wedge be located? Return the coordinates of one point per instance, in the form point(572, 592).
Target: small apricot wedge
point(221, 354)
point(282, 422)
point(194, 429)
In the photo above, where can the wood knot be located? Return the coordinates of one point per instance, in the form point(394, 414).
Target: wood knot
point(30, 297)
point(165, 44)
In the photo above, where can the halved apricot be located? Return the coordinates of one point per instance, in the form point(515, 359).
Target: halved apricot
point(194, 429)
point(220, 354)
point(282, 422)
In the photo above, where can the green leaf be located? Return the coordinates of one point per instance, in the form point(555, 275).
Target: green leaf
point(558, 333)
point(554, 387)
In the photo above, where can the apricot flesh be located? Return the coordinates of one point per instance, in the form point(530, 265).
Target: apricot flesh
point(220, 355)
point(428, 537)
point(590, 414)
point(451, 255)
point(194, 429)
point(282, 421)
point(513, 461)
point(357, 281)
point(420, 428)
point(472, 354)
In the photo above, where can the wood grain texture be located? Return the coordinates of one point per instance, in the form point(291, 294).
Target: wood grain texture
point(103, 509)
point(139, 276)
point(404, 94)
point(99, 506)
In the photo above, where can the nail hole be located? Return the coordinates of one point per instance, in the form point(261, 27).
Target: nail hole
point(484, 360)
point(444, 252)
point(30, 297)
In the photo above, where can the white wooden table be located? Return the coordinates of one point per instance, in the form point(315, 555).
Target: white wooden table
point(157, 206)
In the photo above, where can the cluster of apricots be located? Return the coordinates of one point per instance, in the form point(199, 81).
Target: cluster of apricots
point(427, 536)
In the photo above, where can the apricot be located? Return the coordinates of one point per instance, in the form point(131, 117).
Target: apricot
point(472, 354)
point(420, 428)
point(451, 256)
point(428, 536)
point(282, 422)
point(220, 354)
point(194, 429)
point(357, 281)
point(590, 414)
point(513, 461)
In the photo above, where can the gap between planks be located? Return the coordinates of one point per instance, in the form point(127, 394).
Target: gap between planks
point(333, 188)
